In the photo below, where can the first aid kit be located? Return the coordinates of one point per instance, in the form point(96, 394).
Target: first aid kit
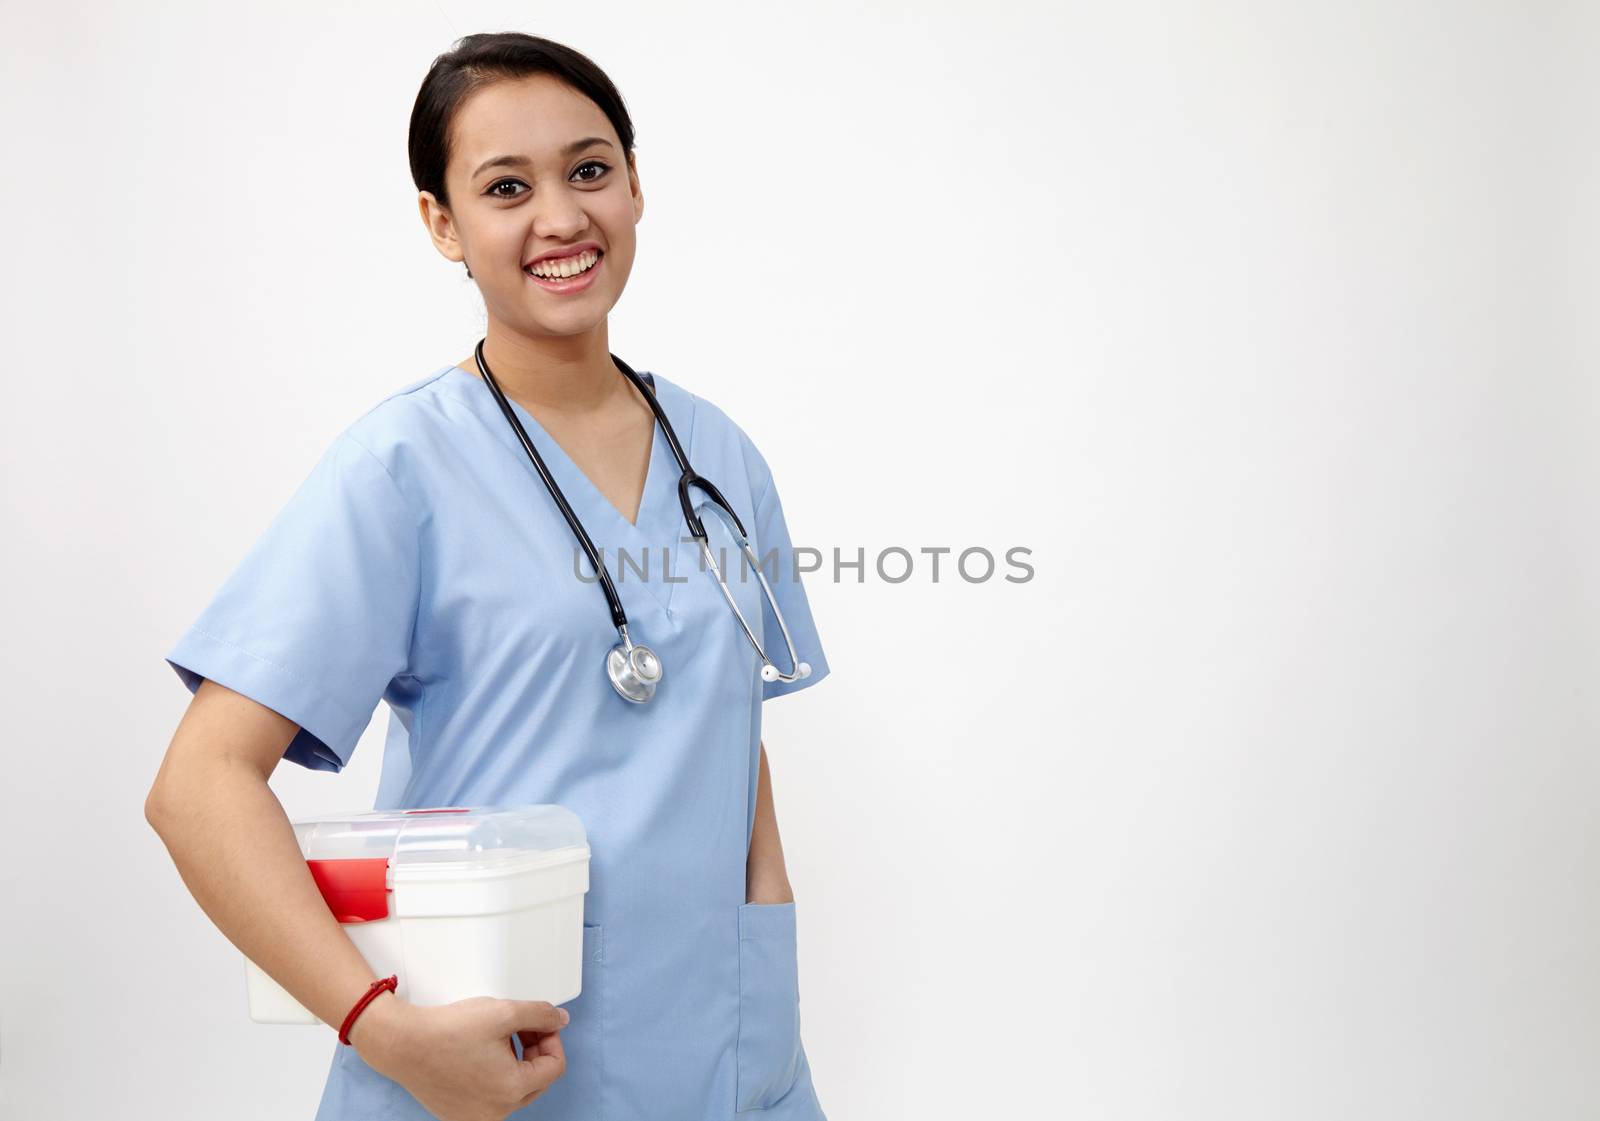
point(456, 902)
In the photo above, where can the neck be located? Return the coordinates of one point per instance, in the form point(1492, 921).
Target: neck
point(569, 374)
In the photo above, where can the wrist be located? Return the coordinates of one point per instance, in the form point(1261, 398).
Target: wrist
point(378, 1027)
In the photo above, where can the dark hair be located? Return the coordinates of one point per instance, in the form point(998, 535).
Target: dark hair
point(478, 60)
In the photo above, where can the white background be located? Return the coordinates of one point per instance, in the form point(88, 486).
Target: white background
point(1268, 328)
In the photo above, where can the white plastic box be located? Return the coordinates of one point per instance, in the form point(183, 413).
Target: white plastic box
point(456, 902)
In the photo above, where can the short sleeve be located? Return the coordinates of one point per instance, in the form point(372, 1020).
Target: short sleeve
point(772, 532)
point(317, 619)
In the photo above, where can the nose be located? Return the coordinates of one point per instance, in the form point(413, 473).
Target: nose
point(558, 215)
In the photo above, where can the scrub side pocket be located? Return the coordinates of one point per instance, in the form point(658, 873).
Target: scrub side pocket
point(577, 1092)
point(769, 1005)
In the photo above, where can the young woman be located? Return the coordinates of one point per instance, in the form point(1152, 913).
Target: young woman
point(426, 561)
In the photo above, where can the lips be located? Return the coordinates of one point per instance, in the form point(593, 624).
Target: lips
point(598, 256)
point(571, 283)
point(570, 251)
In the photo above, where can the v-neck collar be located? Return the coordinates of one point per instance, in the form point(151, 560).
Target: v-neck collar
point(659, 523)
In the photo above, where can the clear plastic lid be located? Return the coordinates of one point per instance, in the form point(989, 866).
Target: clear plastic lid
point(459, 835)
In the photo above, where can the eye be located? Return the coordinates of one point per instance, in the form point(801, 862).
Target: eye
point(494, 188)
point(494, 191)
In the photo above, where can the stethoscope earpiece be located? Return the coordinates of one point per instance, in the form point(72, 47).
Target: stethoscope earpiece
point(770, 672)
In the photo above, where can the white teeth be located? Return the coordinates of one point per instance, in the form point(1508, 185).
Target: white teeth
point(567, 266)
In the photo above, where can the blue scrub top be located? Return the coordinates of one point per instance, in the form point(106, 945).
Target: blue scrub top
point(423, 562)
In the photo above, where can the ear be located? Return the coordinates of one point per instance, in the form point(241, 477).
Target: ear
point(633, 186)
point(441, 227)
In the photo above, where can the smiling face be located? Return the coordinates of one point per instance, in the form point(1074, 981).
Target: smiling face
point(536, 172)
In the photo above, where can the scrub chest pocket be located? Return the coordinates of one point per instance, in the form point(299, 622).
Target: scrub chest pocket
point(769, 1005)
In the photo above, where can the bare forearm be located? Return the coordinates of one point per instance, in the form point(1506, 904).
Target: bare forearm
point(236, 852)
point(766, 878)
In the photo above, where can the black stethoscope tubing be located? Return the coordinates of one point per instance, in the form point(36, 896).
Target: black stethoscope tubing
point(688, 478)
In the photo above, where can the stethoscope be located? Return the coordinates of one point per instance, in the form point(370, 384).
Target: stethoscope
point(634, 668)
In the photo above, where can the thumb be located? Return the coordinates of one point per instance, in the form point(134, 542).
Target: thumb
point(535, 1015)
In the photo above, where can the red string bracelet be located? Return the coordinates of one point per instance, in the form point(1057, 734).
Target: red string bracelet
point(387, 984)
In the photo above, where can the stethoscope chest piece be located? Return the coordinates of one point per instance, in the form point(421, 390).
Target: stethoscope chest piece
point(634, 670)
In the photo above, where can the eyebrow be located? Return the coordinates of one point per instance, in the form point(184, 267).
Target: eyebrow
point(521, 161)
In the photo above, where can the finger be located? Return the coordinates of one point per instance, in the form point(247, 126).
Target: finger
point(533, 1015)
point(539, 1068)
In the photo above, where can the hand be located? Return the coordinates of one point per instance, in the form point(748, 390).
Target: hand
point(769, 891)
point(457, 1059)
